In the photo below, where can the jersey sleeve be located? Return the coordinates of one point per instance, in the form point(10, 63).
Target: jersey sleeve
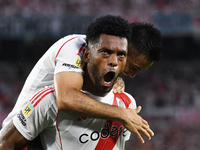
point(69, 56)
point(37, 115)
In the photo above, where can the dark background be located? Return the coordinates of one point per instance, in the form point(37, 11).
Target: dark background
point(168, 91)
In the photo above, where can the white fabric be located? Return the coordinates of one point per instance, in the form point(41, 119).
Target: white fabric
point(61, 56)
point(66, 131)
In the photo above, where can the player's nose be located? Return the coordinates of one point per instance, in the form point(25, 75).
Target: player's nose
point(113, 60)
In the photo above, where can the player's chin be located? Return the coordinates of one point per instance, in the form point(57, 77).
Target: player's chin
point(108, 87)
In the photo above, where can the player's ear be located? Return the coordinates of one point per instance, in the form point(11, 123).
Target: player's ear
point(86, 55)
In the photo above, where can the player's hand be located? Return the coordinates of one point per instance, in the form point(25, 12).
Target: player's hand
point(137, 125)
point(119, 86)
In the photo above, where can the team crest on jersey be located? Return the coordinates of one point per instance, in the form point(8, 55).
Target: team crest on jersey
point(79, 62)
point(28, 109)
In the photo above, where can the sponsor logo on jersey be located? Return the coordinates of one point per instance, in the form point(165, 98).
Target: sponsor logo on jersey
point(28, 109)
point(111, 129)
point(79, 62)
point(21, 118)
point(70, 66)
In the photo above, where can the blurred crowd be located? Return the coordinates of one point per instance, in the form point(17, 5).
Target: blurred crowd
point(12, 78)
point(169, 93)
point(168, 84)
point(132, 9)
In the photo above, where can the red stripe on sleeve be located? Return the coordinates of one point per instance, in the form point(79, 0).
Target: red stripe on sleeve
point(41, 94)
point(42, 97)
point(38, 95)
point(83, 45)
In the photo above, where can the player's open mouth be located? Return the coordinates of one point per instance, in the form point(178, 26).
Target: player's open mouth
point(108, 78)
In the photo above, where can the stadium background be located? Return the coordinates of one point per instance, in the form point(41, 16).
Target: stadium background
point(169, 91)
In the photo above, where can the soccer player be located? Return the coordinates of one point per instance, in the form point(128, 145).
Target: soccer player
point(105, 58)
point(59, 61)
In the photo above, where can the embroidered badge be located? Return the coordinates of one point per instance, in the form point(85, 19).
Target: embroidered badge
point(28, 109)
point(79, 62)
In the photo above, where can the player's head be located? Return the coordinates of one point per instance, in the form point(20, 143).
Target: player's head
point(145, 47)
point(109, 25)
point(106, 52)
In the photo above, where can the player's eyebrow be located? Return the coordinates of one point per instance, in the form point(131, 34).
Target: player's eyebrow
point(123, 52)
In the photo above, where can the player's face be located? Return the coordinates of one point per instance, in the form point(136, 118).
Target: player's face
point(136, 63)
point(107, 61)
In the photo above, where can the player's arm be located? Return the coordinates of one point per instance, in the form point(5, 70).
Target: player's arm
point(69, 98)
point(11, 139)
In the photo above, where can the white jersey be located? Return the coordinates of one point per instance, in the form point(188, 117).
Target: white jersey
point(64, 55)
point(60, 130)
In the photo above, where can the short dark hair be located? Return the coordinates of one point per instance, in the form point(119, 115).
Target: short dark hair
point(146, 39)
point(110, 25)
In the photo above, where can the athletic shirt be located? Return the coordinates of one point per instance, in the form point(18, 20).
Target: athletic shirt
point(60, 130)
point(64, 55)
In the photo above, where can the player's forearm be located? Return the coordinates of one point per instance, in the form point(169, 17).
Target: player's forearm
point(11, 139)
point(5, 142)
point(69, 98)
point(5, 146)
point(77, 102)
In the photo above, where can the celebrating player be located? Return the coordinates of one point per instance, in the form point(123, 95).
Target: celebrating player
point(68, 81)
point(105, 58)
